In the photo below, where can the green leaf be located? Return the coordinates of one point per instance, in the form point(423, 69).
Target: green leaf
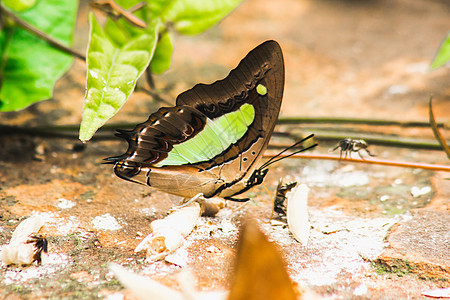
point(163, 54)
point(443, 54)
point(157, 6)
point(19, 5)
point(195, 16)
point(29, 67)
point(116, 59)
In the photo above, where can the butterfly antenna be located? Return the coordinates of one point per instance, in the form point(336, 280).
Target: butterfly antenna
point(293, 153)
point(274, 158)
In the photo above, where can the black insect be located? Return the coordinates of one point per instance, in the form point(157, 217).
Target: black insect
point(349, 145)
point(279, 204)
point(40, 245)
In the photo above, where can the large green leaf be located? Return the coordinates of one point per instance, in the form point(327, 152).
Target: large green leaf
point(195, 16)
point(443, 55)
point(19, 5)
point(119, 53)
point(116, 58)
point(163, 54)
point(29, 67)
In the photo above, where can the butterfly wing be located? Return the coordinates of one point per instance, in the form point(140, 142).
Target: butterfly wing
point(216, 133)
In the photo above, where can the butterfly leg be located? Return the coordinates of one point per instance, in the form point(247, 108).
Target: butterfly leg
point(237, 199)
point(187, 201)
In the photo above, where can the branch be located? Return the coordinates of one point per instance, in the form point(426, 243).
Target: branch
point(149, 77)
point(384, 140)
point(368, 161)
point(104, 133)
point(155, 96)
point(436, 131)
point(42, 35)
point(377, 122)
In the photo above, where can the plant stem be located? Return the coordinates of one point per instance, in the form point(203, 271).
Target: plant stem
point(369, 161)
point(156, 96)
point(436, 131)
point(71, 132)
point(104, 133)
point(149, 78)
point(371, 139)
point(315, 120)
point(42, 35)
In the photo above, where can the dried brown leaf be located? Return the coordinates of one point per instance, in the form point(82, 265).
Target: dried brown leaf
point(260, 271)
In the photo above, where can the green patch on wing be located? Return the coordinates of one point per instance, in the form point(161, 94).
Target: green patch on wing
point(215, 138)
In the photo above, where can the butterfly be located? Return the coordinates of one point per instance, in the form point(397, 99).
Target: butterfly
point(210, 142)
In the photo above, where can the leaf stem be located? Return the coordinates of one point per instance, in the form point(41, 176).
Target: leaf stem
point(149, 77)
point(42, 35)
point(156, 96)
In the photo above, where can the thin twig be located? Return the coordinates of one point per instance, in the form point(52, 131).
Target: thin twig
point(436, 131)
point(71, 132)
point(115, 11)
point(149, 78)
point(156, 96)
point(104, 133)
point(373, 139)
point(390, 141)
point(42, 35)
point(377, 122)
point(369, 161)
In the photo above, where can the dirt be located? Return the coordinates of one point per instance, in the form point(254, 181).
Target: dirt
point(377, 232)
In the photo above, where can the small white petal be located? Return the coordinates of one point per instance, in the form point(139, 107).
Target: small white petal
point(438, 293)
point(143, 287)
point(297, 213)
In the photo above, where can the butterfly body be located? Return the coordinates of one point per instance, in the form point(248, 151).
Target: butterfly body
point(211, 141)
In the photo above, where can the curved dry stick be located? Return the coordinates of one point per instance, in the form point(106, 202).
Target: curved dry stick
point(436, 131)
point(42, 35)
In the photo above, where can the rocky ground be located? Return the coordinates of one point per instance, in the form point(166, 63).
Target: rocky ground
point(378, 232)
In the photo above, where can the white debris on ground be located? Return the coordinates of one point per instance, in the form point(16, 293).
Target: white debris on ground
point(179, 257)
point(61, 225)
point(360, 290)
point(106, 222)
point(64, 203)
point(218, 227)
point(167, 235)
point(160, 268)
point(327, 175)
point(20, 251)
point(54, 263)
point(417, 191)
point(338, 243)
